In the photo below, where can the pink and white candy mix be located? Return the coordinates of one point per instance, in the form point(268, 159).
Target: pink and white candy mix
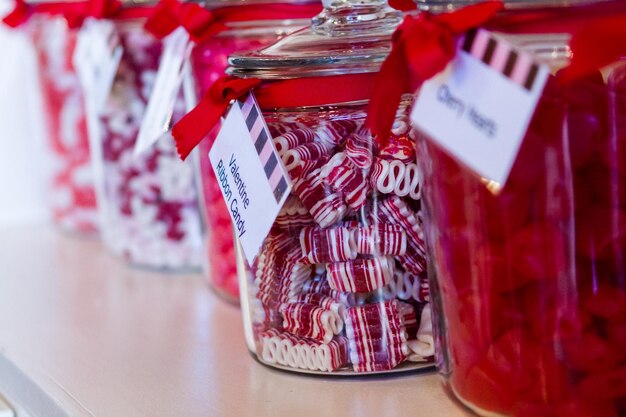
point(343, 268)
point(150, 205)
point(72, 195)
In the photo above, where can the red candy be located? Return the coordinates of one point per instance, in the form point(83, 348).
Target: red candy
point(531, 278)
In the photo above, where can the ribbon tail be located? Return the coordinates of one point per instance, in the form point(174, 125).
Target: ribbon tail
point(164, 19)
point(391, 83)
point(197, 124)
point(595, 46)
point(18, 16)
point(403, 5)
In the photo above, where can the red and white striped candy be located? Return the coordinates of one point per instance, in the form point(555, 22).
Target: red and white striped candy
point(311, 321)
point(306, 152)
point(360, 148)
point(381, 239)
point(409, 320)
point(399, 147)
point(335, 132)
point(360, 275)
point(320, 300)
point(414, 260)
point(326, 207)
point(321, 286)
point(327, 245)
point(376, 336)
point(395, 211)
point(397, 177)
point(288, 350)
point(292, 139)
point(343, 176)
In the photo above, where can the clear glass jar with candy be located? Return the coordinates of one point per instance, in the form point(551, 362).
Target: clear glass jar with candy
point(530, 275)
point(339, 284)
point(70, 189)
point(148, 201)
point(247, 26)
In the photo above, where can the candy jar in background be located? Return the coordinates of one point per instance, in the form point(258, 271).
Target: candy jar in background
point(71, 189)
point(148, 202)
point(530, 280)
point(251, 25)
point(338, 286)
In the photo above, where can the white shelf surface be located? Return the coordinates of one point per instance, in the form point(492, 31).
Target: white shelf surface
point(82, 335)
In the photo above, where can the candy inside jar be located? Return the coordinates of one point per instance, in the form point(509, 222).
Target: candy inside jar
point(149, 201)
point(71, 188)
point(530, 280)
point(339, 284)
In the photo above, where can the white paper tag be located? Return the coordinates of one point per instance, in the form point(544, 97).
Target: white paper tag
point(251, 175)
point(96, 59)
point(176, 50)
point(479, 108)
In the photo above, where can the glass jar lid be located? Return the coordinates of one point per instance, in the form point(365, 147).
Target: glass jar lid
point(348, 37)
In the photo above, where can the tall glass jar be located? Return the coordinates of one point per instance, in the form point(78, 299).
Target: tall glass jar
point(339, 284)
point(149, 202)
point(71, 189)
point(529, 282)
point(209, 60)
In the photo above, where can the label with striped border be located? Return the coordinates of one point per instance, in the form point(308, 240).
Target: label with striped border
point(479, 108)
point(250, 173)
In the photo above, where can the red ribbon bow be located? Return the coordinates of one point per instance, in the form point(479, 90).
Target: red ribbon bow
point(74, 12)
point(423, 46)
point(168, 15)
point(199, 122)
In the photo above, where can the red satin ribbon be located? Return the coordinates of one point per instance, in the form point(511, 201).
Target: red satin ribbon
point(169, 15)
point(301, 92)
point(202, 24)
point(199, 122)
point(423, 46)
point(75, 12)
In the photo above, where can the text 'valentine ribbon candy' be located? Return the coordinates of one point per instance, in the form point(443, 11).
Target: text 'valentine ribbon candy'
point(75, 12)
point(424, 45)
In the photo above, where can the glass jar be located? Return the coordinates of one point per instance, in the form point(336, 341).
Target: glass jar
point(339, 285)
point(209, 60)
point(149, 202)
point(71, 189)
point(528, 282)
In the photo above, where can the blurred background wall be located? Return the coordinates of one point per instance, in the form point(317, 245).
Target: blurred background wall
point(22, 198)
